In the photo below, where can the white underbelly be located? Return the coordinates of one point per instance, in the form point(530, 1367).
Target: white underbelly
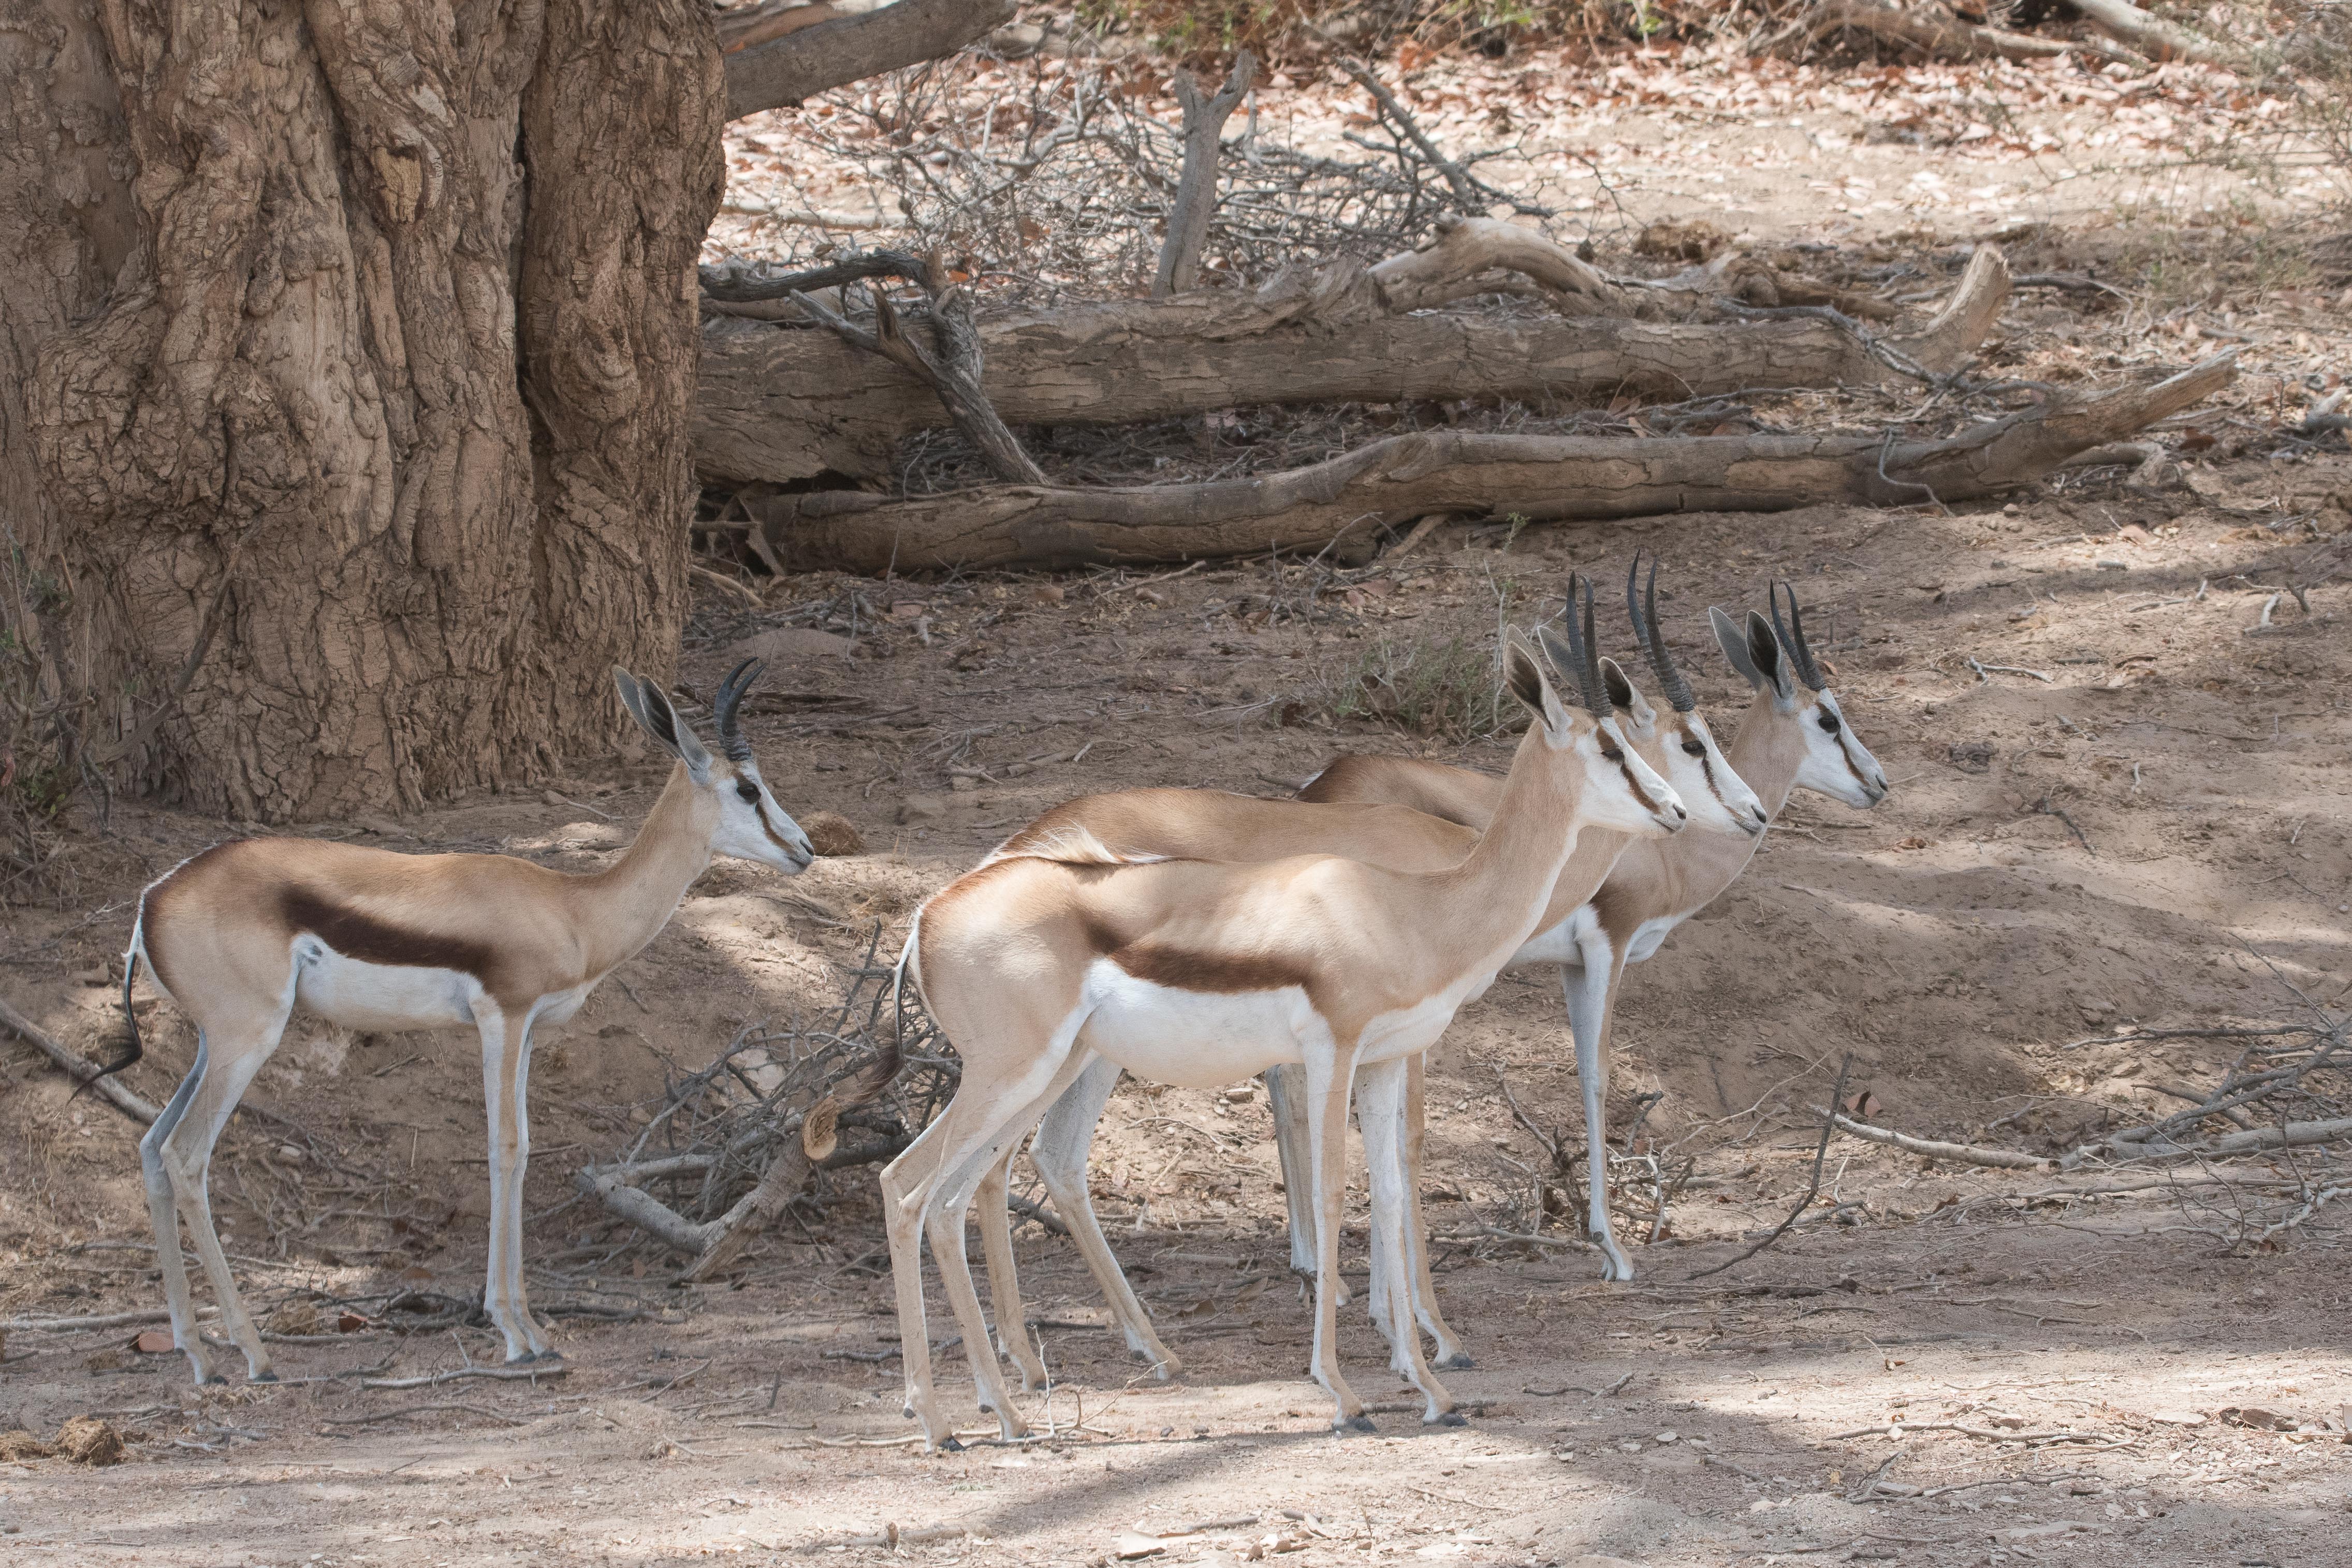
point(381, 995)
point(1197, 1039)
point(1193, 1040)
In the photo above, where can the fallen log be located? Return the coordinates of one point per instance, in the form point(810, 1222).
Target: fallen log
point(1353, 498)
point(784, 403)
point(2162, 40)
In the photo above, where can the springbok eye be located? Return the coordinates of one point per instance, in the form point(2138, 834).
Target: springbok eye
point(1829, 723)
point(1611, 754)
point(747, 789)
point(1693, 748)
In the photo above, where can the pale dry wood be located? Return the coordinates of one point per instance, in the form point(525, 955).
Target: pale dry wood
point(1934, 1148)
point(78, 1068)
point(787, 404)
point(1392, 482)
point(2159, 39)
point(742, 26)
point(784, 73)
point(1196, 186)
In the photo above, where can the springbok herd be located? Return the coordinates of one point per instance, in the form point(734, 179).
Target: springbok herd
point(1188, 936)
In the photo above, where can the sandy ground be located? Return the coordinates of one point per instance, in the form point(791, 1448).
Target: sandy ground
point(1947, 1366)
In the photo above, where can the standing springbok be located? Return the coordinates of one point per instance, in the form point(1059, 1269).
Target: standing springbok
point(1197, 973)
point(1210, 824)
point(1790, 739)
point(244, 932)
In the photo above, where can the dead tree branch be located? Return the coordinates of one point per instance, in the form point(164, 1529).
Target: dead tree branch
point(1934, 1149)
point(2159, 39)
point(78, 1068)
point(784, 70)
point(1813, 1187)
point(1473, 195)
point(1933, 32)
point(953, 373)
point(1196, 188)
point(1392, 482)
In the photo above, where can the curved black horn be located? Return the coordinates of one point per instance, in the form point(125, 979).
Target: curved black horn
point(1792, 637)
point(1579, 646)
point(722, 708)
point(1676, 690)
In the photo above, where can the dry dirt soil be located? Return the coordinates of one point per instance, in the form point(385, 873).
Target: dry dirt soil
point(2132, 819)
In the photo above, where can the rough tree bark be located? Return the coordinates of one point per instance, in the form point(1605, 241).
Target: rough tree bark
point(373, 326)
point(785, 403)
point(1390, 482)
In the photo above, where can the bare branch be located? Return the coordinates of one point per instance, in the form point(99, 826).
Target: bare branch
point(1196, 189)
point(786, 71)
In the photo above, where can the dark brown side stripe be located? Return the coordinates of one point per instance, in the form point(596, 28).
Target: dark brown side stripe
point(373, 941)
point(1224, 974)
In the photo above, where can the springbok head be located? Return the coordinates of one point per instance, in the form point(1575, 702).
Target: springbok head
point(1617, 789)
point(1779, 663)
point(1678, 738)
point(751, 825)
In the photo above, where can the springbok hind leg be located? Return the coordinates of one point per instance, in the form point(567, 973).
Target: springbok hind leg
point(1004, 1273)
point(162, 1212)
point(186, 1153)
point(1286, 1096)
point(1059, 1154)
point(1451, 1351)
point(1329, 1074)
point(950, 1202)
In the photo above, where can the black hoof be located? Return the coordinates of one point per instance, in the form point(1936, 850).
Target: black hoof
point(1458, 1361)
point(214, 1381)
point(263, 1377)
point(1359, 1424)
point(1451, 1418)
point(950, 1445)
point(907, 1411)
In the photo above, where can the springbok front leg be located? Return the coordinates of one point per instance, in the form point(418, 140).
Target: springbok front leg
point(1589, 991)
point(1330, 1074)
point(506, 1080)
point(1381, 1110)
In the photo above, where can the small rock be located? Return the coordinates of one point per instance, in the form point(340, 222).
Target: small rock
point(1016, 40)
point(1132, 1547)
point(790, 645)
point(1670, 1436)
point(2112, 565)
point(921, 808)
point(154, 1342)
point(86, 1440)
point(1049, 593)
point(831, 833)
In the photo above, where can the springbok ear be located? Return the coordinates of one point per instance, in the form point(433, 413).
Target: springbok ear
point(1622, 693)
point(1523, 674)
point(1734, 644)
point(651, 709)
point(633, 699)
point(1765, 650)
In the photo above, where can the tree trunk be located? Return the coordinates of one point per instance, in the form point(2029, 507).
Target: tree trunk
point(356, 360)
point(1353, 498)
point(782, 403)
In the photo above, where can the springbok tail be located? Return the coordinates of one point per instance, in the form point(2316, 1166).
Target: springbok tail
point(136, 1046)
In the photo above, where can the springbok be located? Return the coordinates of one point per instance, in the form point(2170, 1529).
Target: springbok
point(241, 934)
point(1791, 739)
point(1207, 824)
point(1198, 973)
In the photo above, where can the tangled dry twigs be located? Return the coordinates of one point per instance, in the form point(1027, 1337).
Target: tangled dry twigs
point(733, 1144)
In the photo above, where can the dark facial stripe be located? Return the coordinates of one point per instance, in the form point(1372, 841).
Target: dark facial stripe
point(372, 941)
point(1626, 767)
